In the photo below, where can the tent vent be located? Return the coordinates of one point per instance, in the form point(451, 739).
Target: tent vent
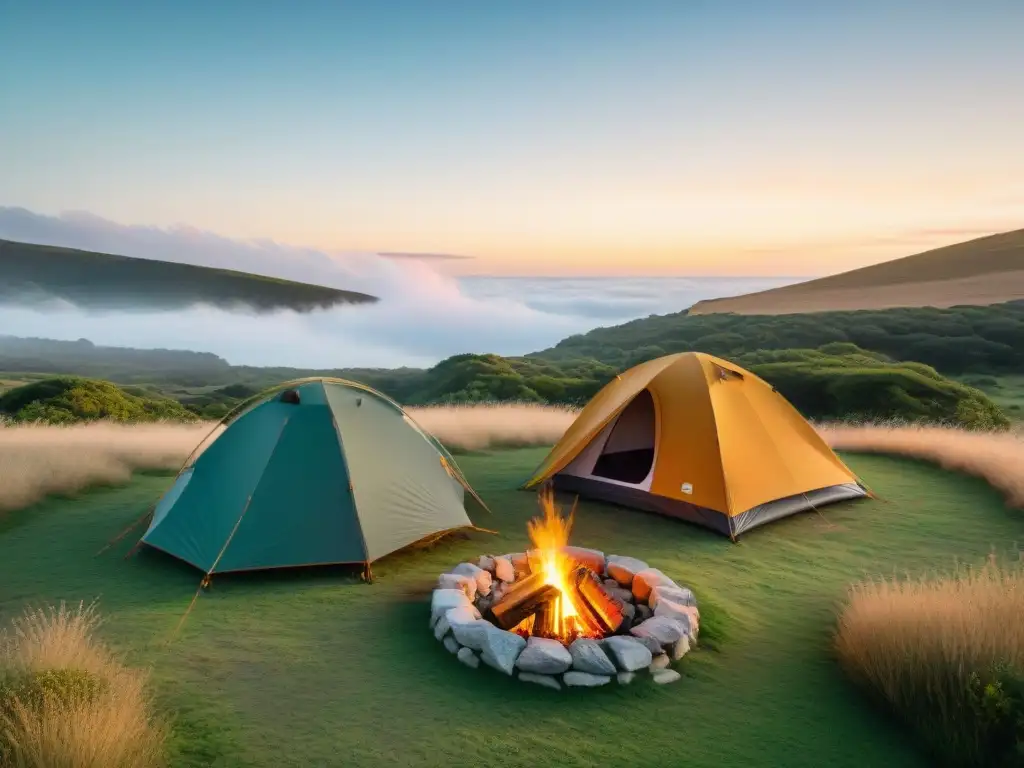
point(359, 401)
point(290, 396)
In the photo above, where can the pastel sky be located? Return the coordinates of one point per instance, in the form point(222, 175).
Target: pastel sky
point(540, 137)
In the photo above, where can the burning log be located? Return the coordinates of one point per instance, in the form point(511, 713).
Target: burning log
point(524, 598)
point(547, 621)
point(601, 609)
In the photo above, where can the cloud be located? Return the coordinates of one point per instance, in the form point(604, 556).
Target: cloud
point(422, 317)
point(425, 256)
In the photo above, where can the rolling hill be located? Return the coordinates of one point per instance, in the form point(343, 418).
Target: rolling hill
point(980, 272)
point(30, 274)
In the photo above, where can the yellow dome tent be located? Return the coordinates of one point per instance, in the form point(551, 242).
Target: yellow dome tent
point(696, 437)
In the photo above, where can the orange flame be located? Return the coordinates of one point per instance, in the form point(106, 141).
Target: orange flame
point(550, 535)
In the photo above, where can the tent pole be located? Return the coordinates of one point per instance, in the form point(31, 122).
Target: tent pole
point(125, 532)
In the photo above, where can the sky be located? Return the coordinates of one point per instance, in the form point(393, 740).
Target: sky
point(538, 138)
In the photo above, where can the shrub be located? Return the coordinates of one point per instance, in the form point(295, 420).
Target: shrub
point(947, 656)
point(68, 400)
point(65, 700)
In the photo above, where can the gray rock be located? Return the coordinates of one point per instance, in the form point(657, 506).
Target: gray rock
point(624, 595)
point(645, 581)
point(486, 563)
point(544, 656)
point(471, 633)
point(497, 592)
point(629, 653)
point(589, 656)
point(451, 644)
point(546, 680)
point(461, 615)
point(443, 599)
point(501, 649)
point(651, 645)
point(503, 569)
point(455, 581)
point(680, 648)
point(643, 613)
point(442, 627)
point(623, 569)
point(665, 630)
point(659, 662)
point(625, 678)
point(483, 604)
point(483, 582)
point(466, 569)
point(584, 679)
point(678, 595)
point(684, 615)
point(665, 676)
point(610, 584)
point(467, 657)
point(520, 561)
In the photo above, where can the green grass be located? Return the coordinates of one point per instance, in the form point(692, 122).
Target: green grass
point(1009, 395)
point(315, 668)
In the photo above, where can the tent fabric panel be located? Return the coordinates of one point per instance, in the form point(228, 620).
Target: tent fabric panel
point(638, 498)
point(687, 453)
point(222, 479)
point(401, 489)
point(792, 505)
point(169, 499)
point(301, 512)
point(768, 450)
point(603, 407)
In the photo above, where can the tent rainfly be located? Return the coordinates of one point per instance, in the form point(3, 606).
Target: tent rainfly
point(316, 472)
point(698, 438)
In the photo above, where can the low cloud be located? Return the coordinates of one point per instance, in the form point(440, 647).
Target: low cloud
point(422, 317)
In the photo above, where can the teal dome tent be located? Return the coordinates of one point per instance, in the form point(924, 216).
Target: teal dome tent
point(314, 472)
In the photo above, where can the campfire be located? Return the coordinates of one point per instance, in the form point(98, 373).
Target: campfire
point(561, 598)
point(564, 615)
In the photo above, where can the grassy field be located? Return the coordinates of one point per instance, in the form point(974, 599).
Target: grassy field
point(1008, 394)
point(315, 668)
point(986, 270)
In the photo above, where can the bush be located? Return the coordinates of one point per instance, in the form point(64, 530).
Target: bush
point(856, 386)
point(947, 656)
point(69, 400)
point(65, 700)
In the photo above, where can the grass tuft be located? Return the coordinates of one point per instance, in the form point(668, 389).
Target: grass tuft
point(67, 702)
point(947, 655)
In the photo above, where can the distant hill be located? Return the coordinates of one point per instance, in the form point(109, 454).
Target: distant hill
point(988, 270)
point(32, 273)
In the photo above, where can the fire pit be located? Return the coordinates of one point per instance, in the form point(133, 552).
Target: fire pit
point(562, 615)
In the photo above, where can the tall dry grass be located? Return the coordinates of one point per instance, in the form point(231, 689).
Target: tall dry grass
point(67, 702)
point(996, 457)
point(37, 460)
point(947, 655)
point(478, 427)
